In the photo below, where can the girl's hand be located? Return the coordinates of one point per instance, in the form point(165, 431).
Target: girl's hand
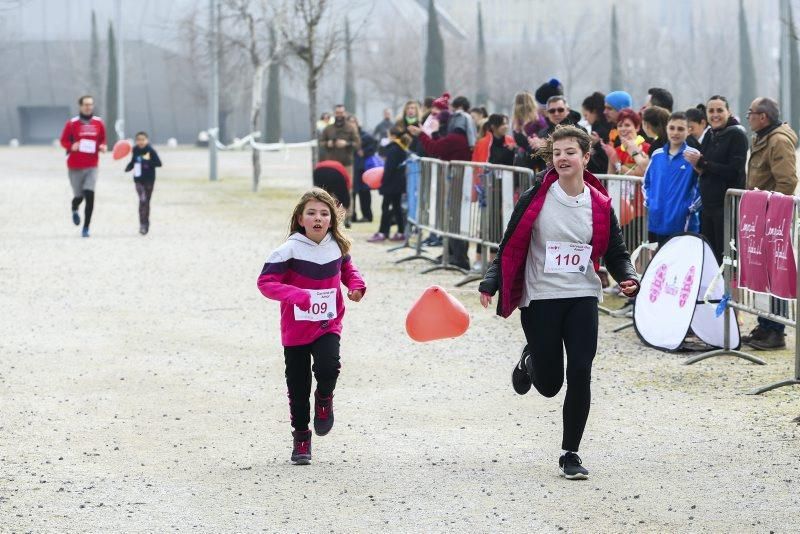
point(631, 147)
point(355, 295)
point(305, 302)
point(414, 130)
point(629, 287)
point(486, 299)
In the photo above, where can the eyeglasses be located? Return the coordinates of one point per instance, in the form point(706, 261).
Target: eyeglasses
point(751, 112)
point(553, 111)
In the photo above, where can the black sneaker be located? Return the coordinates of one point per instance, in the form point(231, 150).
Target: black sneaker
point(773, 340)
point(323, 414)
point(520, 376)
point(569, 466)
point(756, 334)
point(301, 450)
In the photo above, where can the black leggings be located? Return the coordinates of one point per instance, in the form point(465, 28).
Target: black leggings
point(325, 350)
point(144, 190)
point(392, 209)
point(87, 211)
point(550, 326)
point(712, 226)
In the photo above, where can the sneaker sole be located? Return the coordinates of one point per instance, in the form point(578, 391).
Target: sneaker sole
point(323, 432)
point(301, 461)
point(579, 476)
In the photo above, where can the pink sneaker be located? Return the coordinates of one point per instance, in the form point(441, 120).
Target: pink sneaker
point(377, 238)
point(398, 237)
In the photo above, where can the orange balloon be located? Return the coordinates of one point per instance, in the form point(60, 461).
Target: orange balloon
point(373, 177)
point(122, 148)
point(436, 315)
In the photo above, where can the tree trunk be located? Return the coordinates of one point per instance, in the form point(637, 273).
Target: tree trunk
point(312, 118)
point(255, 109)
point(111, 89)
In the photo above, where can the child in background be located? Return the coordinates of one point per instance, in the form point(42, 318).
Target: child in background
point(670, 186)
point(392, 188)
point(143, 163)
point(305, 274)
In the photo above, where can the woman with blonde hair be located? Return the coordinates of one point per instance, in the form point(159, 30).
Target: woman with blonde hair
point(410, 116)
point(525, 122)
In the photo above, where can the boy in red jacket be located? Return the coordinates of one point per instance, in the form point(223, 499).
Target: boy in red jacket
point(84, 137)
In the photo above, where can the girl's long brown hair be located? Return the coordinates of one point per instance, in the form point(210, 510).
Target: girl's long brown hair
point(337, 216)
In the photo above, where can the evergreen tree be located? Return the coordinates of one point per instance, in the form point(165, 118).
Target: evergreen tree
point(349, 75)
point(272, 116)
point(434, 56)
point(482, 95)
point(747, 70)
point(94, 67)
point(111, 88)
point(616, 81)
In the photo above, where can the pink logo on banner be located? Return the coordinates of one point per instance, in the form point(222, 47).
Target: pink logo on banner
point(778, 246)
point(752, 242)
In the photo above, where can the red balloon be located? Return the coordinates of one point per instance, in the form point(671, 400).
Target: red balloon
point(373, 177)
point(122, 148)
point(436, 315)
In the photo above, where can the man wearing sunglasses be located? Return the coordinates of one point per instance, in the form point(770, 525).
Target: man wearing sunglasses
point(772, 167)
point(558, 112)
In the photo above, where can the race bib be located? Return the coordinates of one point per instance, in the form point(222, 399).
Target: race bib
point(87, 146)
point(137, 170)
point(323, 306)
point(563, 257)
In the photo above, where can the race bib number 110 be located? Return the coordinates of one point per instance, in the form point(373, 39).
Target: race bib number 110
point(563, 257)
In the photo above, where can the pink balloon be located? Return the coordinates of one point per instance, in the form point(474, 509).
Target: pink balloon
point(436, 315)
point(373, 177)
point(122, 148)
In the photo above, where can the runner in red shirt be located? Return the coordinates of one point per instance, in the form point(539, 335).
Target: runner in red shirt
point(84, 137)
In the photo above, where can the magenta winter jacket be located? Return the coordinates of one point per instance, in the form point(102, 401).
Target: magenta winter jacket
point(300, 265)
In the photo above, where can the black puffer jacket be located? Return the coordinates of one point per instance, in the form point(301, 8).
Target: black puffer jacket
point(617, 259)
point(723, 163)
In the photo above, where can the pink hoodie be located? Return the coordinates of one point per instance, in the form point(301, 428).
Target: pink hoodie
point(301, 265)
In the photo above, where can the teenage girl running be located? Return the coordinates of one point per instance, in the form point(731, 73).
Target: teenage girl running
point(305, 274)
point(547, 266)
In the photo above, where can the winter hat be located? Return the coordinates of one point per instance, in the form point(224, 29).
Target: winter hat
point(443, 102)
point(546, 90)
point(619, 100)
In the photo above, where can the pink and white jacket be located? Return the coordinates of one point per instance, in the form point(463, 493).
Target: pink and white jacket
point(300, 265)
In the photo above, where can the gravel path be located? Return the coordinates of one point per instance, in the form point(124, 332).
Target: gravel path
point(141, 389)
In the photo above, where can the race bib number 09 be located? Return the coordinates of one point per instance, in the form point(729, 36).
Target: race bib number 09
point(563, 257)
point(323, 306)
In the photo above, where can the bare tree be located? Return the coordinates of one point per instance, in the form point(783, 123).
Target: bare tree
point(192, 34)
point(390, 68)
point(314, 46)
point(247, 24)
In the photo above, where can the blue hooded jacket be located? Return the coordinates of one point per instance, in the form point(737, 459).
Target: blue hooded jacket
point(671, 194)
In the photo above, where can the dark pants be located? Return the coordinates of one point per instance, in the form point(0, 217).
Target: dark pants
point(325, 350)
point(392, 212)
point(88, 209)
point(550, 326)
point(658, 238)
point(712, 226)
point(145, 192)
point(457, 249)
point(776, 307)
point(362, 193)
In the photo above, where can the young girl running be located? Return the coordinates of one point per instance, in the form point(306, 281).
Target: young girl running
point(305, 274)
point(547, 266)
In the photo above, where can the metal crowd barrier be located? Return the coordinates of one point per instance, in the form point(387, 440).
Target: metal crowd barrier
point(776, 309)
point(627, 199)
point(422, 187)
